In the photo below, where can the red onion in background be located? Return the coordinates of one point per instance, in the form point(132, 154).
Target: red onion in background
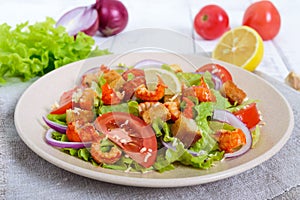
point(81, 19)
point(113, 16)
point(110, 17)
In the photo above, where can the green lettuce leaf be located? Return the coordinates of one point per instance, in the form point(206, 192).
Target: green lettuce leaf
point(206, 143)
point(28, 51)
point(255, 135)
point(58, 118)
point(129, 107)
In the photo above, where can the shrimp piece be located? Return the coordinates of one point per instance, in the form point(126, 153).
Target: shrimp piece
point(229, 141)
point(110, 96)
point(112, 155)
point(203, 93)
point(78, 131)
point(173, 107)
point(144, 94)
point(145, 106)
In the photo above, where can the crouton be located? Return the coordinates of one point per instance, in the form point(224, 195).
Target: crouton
point(158, 110)
point(293, 80)
point(76, 114)
point(233, 93)
point(114, 79)
point(186, 130)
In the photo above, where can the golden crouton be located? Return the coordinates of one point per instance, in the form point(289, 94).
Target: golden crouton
point(114, 79)
point(186, 130)
point(293, 80)
point(158, 110)
point(233, 93)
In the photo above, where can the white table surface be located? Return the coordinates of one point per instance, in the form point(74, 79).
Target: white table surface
point(281, 54)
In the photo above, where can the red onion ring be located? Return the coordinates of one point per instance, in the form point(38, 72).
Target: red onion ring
point(55, 126)
point(217, 81)
point(228, 117)
point(60, 144)
point(84, 19)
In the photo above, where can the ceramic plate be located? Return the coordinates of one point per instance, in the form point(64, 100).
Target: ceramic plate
point(37, 99)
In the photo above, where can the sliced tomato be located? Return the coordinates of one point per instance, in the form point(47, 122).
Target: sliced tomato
point(109, 96)
point(221, 72)
point(132, 134)
point(65, 102)
point(249, 115)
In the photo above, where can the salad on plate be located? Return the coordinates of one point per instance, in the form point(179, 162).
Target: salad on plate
point(154, 117)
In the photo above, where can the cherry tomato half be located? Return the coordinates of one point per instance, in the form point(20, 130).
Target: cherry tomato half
point(211, 22)
point(130, 133)
point(264, 18)
point(221, 72)
point(65, 102)
point(249, 115)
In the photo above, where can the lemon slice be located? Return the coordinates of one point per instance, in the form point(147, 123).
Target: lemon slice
point(241, 46)
point(169, 78)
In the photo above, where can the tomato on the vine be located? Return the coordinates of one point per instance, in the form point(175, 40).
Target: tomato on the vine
point(211, 22)
point(131, 134)
point(264, 17)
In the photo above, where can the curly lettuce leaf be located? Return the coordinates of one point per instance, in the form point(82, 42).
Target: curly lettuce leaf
point(28, 51)
point(129, 107)
point(207, 142)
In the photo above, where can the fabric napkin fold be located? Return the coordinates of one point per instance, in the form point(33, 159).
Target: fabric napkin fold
point(24, 175)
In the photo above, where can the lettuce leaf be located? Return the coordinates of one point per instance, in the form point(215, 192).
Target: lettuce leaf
point(129, 107)
point(181, 154)
point(28, 51)
point(58, 118)
point(206, 143)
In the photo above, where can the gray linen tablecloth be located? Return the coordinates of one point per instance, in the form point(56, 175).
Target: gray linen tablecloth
point(24, 175)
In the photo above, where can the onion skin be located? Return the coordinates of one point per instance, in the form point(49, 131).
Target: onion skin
point(80, 19)
point(60, 144)
point(113, 16)
point(228, 117)
point(55, 126)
